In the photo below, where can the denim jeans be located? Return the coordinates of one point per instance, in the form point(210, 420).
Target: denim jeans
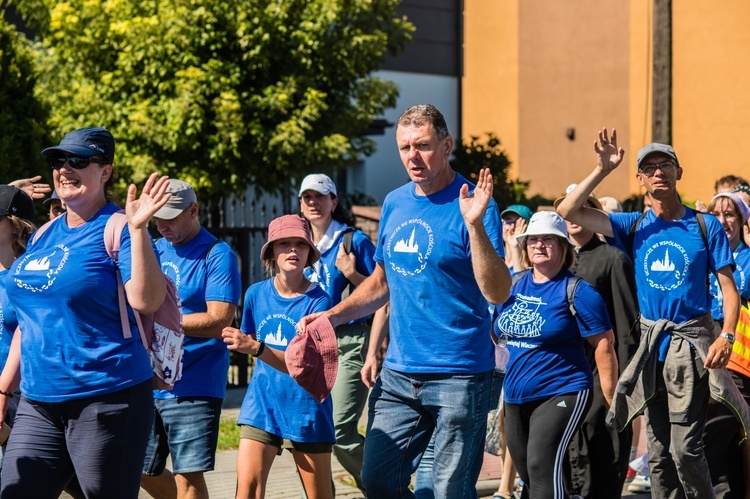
point(405, 410)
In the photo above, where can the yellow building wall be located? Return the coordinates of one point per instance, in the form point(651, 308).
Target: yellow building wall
point(711, 92)
point(535, 68)
point(490, 83)
point(640, 87)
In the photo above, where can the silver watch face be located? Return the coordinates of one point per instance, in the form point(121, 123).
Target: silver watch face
point(728, 336)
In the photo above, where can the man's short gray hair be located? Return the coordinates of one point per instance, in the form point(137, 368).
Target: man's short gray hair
point(425, 114)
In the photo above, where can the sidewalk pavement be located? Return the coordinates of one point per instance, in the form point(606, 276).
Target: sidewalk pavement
point(283, 481)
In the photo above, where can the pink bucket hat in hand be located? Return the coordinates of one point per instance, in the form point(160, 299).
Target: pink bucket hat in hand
point(312, 358)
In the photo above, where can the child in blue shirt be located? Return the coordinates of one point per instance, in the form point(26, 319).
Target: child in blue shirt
point(277, 413)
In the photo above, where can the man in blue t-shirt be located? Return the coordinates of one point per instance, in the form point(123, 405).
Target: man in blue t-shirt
point(439, 258)
point(207, 278)
point(678, 357)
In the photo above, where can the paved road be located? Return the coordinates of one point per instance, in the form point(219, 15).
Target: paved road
point(283, 481)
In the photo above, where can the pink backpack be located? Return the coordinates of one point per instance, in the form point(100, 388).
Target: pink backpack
point(161, 332)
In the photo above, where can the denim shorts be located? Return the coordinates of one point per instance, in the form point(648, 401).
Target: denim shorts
point(188, 429)
point(262, 436)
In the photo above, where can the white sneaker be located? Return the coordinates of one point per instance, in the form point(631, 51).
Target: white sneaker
point(640, 483)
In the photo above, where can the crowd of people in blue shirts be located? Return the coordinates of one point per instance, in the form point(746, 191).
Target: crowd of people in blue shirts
point(542, 335)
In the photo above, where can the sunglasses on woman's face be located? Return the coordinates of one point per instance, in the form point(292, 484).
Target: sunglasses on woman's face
point(75, 162)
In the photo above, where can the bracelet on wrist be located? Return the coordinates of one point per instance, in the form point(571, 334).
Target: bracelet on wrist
point(7, 394)
point(261, 347)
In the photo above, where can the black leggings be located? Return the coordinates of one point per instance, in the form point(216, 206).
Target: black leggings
point(538, 434)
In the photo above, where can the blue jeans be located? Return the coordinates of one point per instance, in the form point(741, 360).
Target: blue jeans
point(423, 488)
point(188, 429)
point(404, 412)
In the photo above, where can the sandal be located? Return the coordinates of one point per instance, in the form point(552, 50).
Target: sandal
point(499, 495)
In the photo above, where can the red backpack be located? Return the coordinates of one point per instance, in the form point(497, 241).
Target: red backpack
point(161, 332)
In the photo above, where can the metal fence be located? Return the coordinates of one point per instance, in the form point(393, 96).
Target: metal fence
point(243, 224)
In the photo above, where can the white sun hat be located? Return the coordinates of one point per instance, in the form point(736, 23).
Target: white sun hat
point(544, 223)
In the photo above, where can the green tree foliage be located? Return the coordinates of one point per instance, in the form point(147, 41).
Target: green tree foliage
point(22, 117)
point(220, 92)
point(470, 157)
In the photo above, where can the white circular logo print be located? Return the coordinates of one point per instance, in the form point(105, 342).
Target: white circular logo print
point(410, 246)
point(38, 271)
point(665, 265)
point(276, 330)
point(173, 272)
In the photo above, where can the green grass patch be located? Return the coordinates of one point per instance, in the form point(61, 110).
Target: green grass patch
point(229, 434)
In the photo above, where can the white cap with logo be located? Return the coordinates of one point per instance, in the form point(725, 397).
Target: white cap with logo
point(317, 182)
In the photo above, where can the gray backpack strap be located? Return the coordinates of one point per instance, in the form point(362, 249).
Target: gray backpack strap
point(570, 288)
point(631, 234)
point(348, 237)
point(517, 276)
point(573, 283)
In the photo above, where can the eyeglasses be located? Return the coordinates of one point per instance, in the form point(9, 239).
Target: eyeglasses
point(75, 162)
point(650, 168)
point(547, 241)
point(729, 216)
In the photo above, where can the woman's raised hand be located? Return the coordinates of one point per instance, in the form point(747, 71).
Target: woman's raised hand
point(153, 197)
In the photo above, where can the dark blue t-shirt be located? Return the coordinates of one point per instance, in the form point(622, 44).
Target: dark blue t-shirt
point(545, 341)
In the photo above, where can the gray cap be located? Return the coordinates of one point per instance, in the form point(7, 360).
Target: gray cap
point(183, 195)
point(656, 148)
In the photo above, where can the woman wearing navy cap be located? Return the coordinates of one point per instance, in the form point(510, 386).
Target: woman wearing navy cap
point(86, 405)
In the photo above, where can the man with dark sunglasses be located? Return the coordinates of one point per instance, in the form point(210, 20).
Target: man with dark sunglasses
point(679, 362)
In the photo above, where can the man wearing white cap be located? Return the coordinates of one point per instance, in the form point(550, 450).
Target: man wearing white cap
point(206, 275)
point(674, 249)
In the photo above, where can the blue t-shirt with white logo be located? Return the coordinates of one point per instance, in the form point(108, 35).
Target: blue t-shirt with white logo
point(741, 279)
point(439, 320)
point(545, 341)
point(198, 280)
point(8, 320)
point(325, 273)
point(64, 291)
point(671, 262)
point(274, 402)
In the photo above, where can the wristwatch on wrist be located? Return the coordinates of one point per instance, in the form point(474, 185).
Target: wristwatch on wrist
point(728, 336)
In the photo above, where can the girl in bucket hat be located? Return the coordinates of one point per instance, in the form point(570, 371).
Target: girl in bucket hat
point(277, 413)
point(548, 379)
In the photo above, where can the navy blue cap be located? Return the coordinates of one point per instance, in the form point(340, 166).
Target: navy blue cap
point(13, 201)
point(49, 200)
point(85, 143)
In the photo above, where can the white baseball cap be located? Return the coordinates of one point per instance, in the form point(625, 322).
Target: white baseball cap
point(543, 223)
point(318, 182)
